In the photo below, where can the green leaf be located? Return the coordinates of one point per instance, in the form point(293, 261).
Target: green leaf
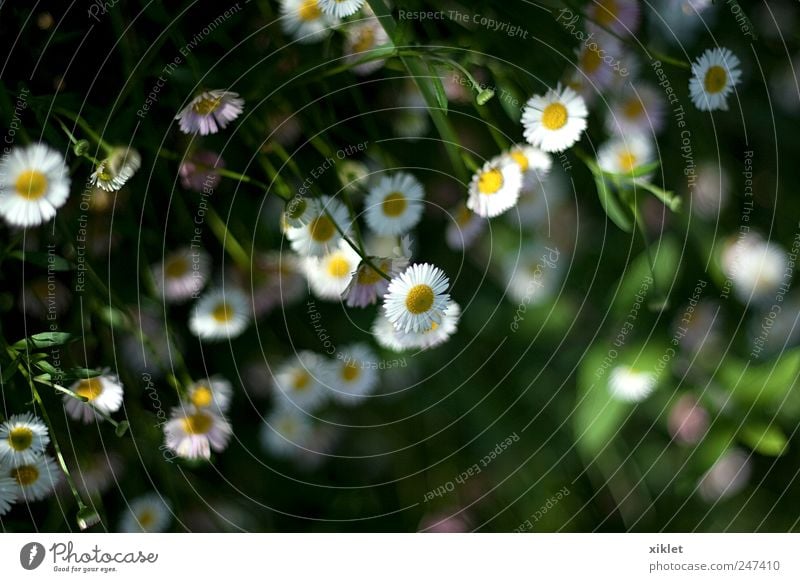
point(598, 416)
point(438, 89)
point(767, 386)
point(81, 374)
point(122, 428)
point(113, 317)
point(42, 259)
point(639, 280)
point(766, 439)
point(616, 211)
point(45, 340)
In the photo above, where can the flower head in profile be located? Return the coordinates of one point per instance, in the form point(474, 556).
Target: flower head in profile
point(329, 275)
point(303, 20)
point(367, 284)
point(210, 112)
point(150, 513)
point(192, 433)
point(23, 437)
point(112, 173)
point(395, 205)
point(495, 187)
point(340, 8)
point(317, 233)
point(714, 75)
point(33, 480)
point(417, 298)
point(198, 172)
point(102, 394)
point(360, 40)
point(222, 313)
point(182, 274)
point(34, 183)
point(631, 385)
point(353, 375)
point(554, 121)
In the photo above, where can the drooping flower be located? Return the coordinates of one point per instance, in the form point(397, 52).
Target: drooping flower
point(113, 172)
point(367, 285)
point(210, 112)
point(417, 298)
point(103, 396)
point(34, 183)
point(556, 120)
point(714, 75)
point(395, 205)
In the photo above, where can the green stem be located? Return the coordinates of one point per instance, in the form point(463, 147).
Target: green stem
point(229, 242)
point(86, 127)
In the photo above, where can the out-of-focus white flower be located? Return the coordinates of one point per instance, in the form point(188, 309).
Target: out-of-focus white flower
point(756, 267)
point(631, 385)
point(210, 112)
point(149, 513)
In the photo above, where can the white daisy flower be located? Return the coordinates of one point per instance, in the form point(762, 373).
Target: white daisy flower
point(619, 16)
point(193, 433)
point(23, 437)
point(360, 40)
point(711, 191)
point(353, 375)
point(715, 74)
point(210, 111)
point(149, 513)
point(182, 274)
point(35, 479)
point(388, 337)
point(464, 228)
point(286, 433)
point(556, 120)
point(113, 172)
point(594, 74)
point(298, 380)
point(641, 109)
point(220, 314)
point(34, 182)
point(304, 20)
point(624, 155)
point(330, 275)
point(8, 493)
point(438, 333)
point(103, 396)
point(213, 393)
point(367, 285)
point(417, 298)
point(630, 385)
point(534, 164)
point(756, 267)
point(319, 234)
point(340, 8)
point(496, 187)
point(394, 206)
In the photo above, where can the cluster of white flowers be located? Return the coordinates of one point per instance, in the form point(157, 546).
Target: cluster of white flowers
point(27, 473)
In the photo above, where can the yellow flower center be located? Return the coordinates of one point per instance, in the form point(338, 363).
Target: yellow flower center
point(606, 13)
point(197, 423)
point(365, 40)
point(368, 276)
point(322, 229)
point(338, 267)
point(590, 60)
point(222, 313)
point(633, 109)
point(301, 380)
point(176, 267)
point(207, 105)
point(146, 519)
point(394, 204)
point(89, 388)
point(627, 161)
point(350, 372)
point(202, 396)
point(31, 184)
point(490, 181)
point(419, 299)
point(554, 116)
point(309, 10)
point(20, 438)
point(521, 159)
point(25, 475)
point(716, 79)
